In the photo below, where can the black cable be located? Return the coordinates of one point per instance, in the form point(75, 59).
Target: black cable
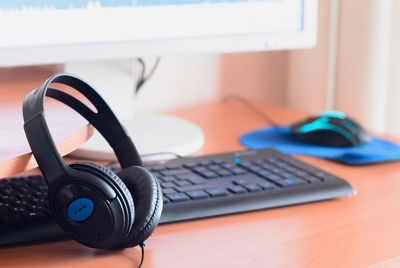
point(251, 107)
point(161, 153)
point(140, 80)
point(115, 162)
point(142, 260)
point(143, 78)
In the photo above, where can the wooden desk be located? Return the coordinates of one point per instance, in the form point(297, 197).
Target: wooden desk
point(352, 231)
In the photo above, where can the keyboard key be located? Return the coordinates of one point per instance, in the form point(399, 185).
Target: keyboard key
point(258, 162)
point(267, 166)
point(245, 164)
point(42, 193)
point(241, 181)
point(217, 192)
point(223, 172)
point(190, 188)
point(196, 180)
point(267, 185)
point(200, 169)
point(218, 161)
point(168, 178)
point(290, 182)
point(252, 187)
point(167, 184)
point(237, 189)
point(169, 191)
point(175, 172)
point(195, 195)
point(255, 168)
point(157, 168)
point(209, 174)
point(205, 163)
point(183, 183)
point(291, 169)
point(17, 203)
point(301, 173)
point(286, 174)
point(214, 167)
point(178, 197)
point(282, 164)
point(155, 174)
point(265, 173)
point(183, 176)
point(172, 167)
point(190, 165)
point(274, 177)
point(32, 214)
point(228, 166)
point(238, 171)
point(276, 170)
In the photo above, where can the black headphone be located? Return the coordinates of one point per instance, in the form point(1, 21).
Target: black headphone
point(95, 206)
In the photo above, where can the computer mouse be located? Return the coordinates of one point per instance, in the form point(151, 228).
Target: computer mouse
point(331, 129)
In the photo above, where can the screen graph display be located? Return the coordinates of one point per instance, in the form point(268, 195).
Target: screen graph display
point(68, 4)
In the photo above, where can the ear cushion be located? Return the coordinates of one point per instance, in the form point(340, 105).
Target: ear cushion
point(146, 192)
point(117, 184)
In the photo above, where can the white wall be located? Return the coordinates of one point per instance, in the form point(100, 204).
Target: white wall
point(182, 81)
point(258, 76)
point(363, 60)
point(311, 73)
point(392, 122)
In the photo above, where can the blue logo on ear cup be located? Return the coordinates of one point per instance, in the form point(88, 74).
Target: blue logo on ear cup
point(80, 209)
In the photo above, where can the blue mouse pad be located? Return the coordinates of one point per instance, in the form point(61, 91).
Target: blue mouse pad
point(281, 138)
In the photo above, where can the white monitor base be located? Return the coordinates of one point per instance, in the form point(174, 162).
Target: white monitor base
point(152, 133)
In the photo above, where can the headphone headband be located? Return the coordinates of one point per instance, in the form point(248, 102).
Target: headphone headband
point(41, 141)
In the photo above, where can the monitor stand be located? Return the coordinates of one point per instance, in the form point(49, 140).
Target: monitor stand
point(152, 133)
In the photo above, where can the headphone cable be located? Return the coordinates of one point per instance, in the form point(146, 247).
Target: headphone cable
point(141, 261)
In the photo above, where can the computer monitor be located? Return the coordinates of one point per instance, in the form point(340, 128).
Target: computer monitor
point(68, 31)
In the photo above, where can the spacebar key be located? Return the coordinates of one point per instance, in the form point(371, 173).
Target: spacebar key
point(190, 188)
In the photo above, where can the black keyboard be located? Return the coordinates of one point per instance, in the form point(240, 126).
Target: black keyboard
point(193, 187)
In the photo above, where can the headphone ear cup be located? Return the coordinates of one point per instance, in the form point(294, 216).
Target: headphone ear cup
point(147, 195)
point(118, 185)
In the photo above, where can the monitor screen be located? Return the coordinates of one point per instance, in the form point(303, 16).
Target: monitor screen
point(45, 31)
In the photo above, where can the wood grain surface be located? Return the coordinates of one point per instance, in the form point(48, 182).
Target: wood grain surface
point(355, 231)
point(69, 130)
